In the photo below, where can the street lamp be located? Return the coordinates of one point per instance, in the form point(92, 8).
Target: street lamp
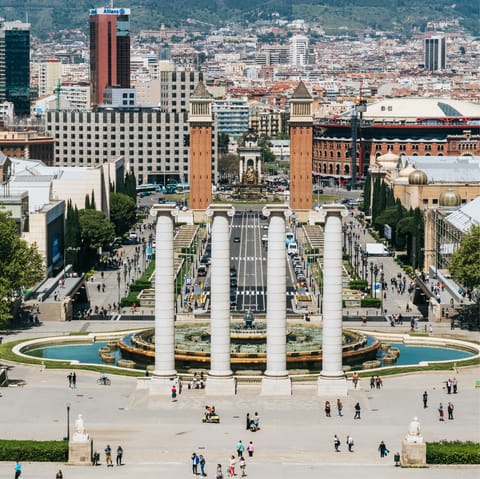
point(118, 283)
point(67, 437)
point(375, 272)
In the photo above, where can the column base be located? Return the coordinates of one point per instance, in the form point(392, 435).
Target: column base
point(413, 454)
point(80, 453)
point(276, 386)
point(221, 386)
point(162, 385)
point(328, 386)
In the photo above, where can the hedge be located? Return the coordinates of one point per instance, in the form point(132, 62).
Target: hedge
point(33, 451)
point(369, 302)
point(453, 452)
point(358, 284)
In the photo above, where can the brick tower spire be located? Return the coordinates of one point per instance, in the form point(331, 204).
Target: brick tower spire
point(301, 149)
point(201, 121)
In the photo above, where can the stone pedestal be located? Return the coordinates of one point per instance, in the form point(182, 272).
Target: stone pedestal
point(80, 452)
point(332, 380)
point(220, 380)
point(276, 380)
point(413, 454)
point(164, 372)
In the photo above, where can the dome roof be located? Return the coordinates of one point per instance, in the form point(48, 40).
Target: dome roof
point(405, 172)
point(450, 198)
point(417, 177)
point(388, 160)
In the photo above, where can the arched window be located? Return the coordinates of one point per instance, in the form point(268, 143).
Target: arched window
point(346, 169)
point(330, 168)
point(337, 169)
point(339, 154)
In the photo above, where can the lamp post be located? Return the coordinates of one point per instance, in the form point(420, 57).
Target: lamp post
point(357, 247)
point(371, 279)
point(118, 283)
point(382, 279)
point(375, 272)
point(67, 437)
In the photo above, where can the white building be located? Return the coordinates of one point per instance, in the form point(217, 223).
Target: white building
point(49, 74)
point(298, 53)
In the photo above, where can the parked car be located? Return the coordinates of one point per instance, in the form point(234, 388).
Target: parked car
point(202, 271)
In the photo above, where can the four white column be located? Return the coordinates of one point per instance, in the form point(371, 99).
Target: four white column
point(276, 380)
point(332, 379)
point(220, 379)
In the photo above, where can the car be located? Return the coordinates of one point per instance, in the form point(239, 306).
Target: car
point(236, 239)
point(265, 227)
point(265, 238)
point(233, 282)
point(202, 271)
point(233, 272)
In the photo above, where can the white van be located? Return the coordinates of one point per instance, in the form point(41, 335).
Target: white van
point(292, 248)
point(289, 237)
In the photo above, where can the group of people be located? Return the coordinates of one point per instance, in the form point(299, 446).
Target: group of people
point(452, 386)
point(198, 460)
point(376, 382)
point(252, 423)
point(72, 380)
point(348, 442)
point(108, 457)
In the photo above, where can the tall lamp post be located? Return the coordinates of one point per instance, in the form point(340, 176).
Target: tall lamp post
point(118, 284)
point(375, 272)
point(67, 437)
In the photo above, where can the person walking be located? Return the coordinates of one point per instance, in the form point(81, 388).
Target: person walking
point(74, 380)
point(372, 382)
point(231, 467)
point(70, 377)
point(449, 386)
point(202, 462)
point(250, 449)
point(382, 448)
point(454, 385)
point(240, 448)
point(59, 474)
point(219, 472)
point(349, 443)
point(195, 462)
point(450, 410)
point(247, 421)
point(441, 413)
point(119, 455)
point(327, 408)
point(355, 379)
point(108, 456)
point(174, 393)
point(339, 408)
point(425, 399)
point(242, 464)
point(18, 470)
point(336, 443)
point(357, 411)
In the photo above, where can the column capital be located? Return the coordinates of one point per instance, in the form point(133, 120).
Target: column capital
point(272, 210)
point(215, 209)
point(333, 209)
point(164, 209)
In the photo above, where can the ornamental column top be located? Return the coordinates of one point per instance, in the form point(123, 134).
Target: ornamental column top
point(332, 209)
point(274, 209)
point(164, 209)
point(226, 209)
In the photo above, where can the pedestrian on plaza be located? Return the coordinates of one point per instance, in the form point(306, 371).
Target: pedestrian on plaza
point(327, 408)
point(95, 458)
point(231, 467)
point(355, 379)
point(454, 385)
point(349, 443)
point(450, 410)
point(70, 377)
point(98, 287)
point(195, 462)
point(372, 382)
point(242, 464)
point(430, 329)
point(247, 425)
point(108, 456)
point(378, 382)
point(425, 399)
point(59, 474)
point(240, 448)
point(202, 463)
point(449, 386)
point(382, 448)
point(339, 408)
point(174, 393)
point(219, 472)
point(119, 455)
point(18, 470)
point(250, 449)
point(441, 413)
point(357, 411)
point(336, 443)
point(74, 380)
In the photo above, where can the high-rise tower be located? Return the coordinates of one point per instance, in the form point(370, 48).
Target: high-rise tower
point(435, 53)
point(200, 139)
point(15, 65)
point(301, 149)
point(109, 50)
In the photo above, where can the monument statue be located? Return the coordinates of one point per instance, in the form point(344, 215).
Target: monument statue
point(80, 434)
point(250, 175)
point(414, 435)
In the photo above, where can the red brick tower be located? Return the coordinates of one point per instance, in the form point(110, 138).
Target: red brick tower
point(301, 151)
point(200, 167)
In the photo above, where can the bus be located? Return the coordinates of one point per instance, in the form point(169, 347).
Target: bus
point(147, 187)
point(183, 188)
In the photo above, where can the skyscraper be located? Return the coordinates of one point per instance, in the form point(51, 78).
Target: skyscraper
point(15, 65)
point(298, 52)
point(435, 53)
point(109, 50)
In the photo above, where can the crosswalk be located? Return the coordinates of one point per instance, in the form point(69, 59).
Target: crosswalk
point(248, 258)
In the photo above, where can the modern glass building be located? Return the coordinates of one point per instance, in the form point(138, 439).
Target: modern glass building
point(15, 65)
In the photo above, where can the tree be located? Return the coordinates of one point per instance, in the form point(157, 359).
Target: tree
point(96, 231)
point(21, 266)
point(465, 262)
point(122, 212)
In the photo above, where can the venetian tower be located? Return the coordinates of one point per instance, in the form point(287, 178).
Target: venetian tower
point(301, 150)
point(201, 121)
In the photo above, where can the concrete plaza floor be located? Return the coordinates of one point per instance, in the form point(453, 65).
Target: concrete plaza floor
point(296, 439)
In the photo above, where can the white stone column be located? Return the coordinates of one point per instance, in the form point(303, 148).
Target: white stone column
point(220, 380)
point(164, 374)
point(332, 379)
point(276, 380)
point(240, 173)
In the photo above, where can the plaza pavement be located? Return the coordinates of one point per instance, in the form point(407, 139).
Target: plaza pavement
point(296, 439)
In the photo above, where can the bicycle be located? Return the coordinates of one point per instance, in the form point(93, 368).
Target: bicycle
point(104, 381)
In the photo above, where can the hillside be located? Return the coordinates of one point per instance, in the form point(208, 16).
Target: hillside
point(334, 15)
